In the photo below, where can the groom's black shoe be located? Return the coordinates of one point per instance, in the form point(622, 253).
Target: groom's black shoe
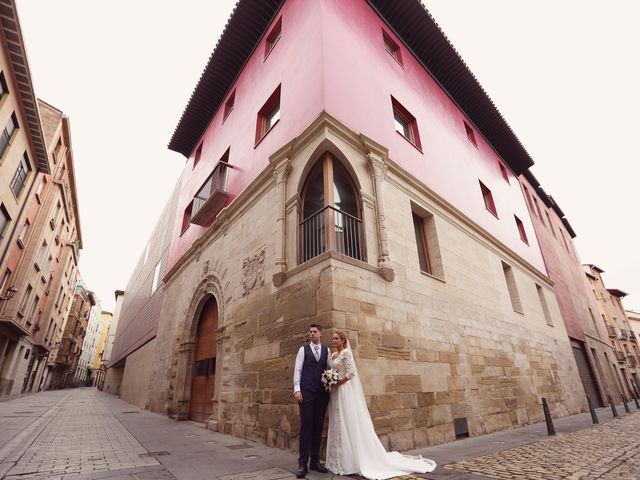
point(302, 472)
point(318, 468)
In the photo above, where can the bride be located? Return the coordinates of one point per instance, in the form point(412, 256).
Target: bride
point(352, 443)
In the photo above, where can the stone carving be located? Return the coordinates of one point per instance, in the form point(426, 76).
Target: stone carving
point(253, 272)
point(205, 268)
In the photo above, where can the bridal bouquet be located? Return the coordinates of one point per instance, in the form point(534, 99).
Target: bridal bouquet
point(329, 377)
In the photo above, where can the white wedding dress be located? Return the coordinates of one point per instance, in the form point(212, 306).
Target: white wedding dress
point(352, 443)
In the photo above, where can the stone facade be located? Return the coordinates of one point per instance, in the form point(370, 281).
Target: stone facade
point(430, 348)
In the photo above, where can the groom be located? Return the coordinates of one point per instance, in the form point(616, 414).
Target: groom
point(311, 361)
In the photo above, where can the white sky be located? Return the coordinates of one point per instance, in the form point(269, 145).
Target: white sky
point(565, 76)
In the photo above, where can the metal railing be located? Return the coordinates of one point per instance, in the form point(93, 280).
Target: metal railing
point(612, 331)
point(623, 333)
point(217, 181)
point(620, 356)
point(632, 360)
point(330, 229)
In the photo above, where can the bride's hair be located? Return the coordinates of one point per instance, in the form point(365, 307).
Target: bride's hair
point(343, 335)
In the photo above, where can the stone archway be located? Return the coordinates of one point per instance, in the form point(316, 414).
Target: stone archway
point(209, 289)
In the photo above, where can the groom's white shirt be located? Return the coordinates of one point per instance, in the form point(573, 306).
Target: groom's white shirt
point(297, 371)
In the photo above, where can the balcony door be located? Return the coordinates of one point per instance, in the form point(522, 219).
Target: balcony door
point(203, 370)
point(331, 214)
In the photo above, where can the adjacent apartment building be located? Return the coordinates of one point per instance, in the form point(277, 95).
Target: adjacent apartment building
point(587, 333)
point(67, 355)
point(623, 340)
point(355, 175)
point(39, 225)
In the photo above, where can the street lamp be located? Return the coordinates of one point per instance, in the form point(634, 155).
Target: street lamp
point(11, 291)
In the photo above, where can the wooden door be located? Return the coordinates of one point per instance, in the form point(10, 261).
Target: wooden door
point(203, 371)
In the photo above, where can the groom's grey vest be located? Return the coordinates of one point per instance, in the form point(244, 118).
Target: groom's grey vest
point(312, 370)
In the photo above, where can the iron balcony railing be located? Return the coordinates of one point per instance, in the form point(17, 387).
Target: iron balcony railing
point(632, 335)
point(612, 331)
point(632, 360)
point(343, 235)
point(623, 334)
point(212, 195)
point(621, 356)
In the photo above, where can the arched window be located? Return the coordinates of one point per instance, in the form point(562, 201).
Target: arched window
point(331, 214)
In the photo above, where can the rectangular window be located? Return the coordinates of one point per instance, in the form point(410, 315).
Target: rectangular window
point(421, 243)
point(521, 231)
point(564, 240)
point(268, 115)
point(20, 176)
point(186, 217)
point(32, 310)
point(47, 268)
point(470, 134)
point(535, 200)
point(4, 219)
point(41, 255)
point(25, 299)
point(273, 37)
point(5, 136)
point(489, 204)
point(3, 85)
point(156, 278)
point(526, 192)
point(428, 247)
point(543, 304)
point(405, 123)
point(504, 171)
point(512, 287)
point(391, 47)
point(197, 155)
point(228, 106)
point(40, 189)
point(5, 282)
point(550, 224)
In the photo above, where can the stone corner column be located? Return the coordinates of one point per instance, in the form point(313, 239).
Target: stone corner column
point(378, 169)
point(280, 174)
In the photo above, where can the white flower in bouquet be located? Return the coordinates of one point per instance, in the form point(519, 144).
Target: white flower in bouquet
point(329, 377)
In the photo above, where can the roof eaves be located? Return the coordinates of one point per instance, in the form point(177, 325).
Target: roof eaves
point(10, 27)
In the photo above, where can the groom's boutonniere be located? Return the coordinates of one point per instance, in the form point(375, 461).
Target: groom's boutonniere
point(329, 377)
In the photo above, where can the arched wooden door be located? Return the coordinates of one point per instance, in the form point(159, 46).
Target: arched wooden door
point(203, 370)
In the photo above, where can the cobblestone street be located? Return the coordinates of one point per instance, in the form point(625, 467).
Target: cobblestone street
point(85, 434)
point(609, 451)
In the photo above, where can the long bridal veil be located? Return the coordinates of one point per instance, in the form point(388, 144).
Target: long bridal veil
point(360, 450)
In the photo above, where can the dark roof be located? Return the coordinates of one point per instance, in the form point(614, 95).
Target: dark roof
point(241, 35)
point(412, 23)
point(595, 267)
point(10, 27)
point(617, 293)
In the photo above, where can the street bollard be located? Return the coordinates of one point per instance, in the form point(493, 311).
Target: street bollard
point(547, 416)
point(624, 402)
point(613, 407)
point(594, 417)
point(635, 399)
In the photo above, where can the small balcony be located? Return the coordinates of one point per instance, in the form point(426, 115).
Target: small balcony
point(621, 357)
point(632, 335)
point(212, 196)
point(612, 331)
point(632, 360)
point(344, 234)
point(623, 334)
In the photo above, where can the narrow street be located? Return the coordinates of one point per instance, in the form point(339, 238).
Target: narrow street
point(87, 434)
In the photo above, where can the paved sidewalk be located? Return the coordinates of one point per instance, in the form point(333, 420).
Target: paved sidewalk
point(86, 434)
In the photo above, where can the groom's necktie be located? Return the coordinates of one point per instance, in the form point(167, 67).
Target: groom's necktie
point(316, 352)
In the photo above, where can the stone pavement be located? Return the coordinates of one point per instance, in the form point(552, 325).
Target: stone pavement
point(85, 434)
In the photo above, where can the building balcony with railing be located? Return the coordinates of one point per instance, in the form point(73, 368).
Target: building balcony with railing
point(621, 357)
point(632, 360)
point(212, 195)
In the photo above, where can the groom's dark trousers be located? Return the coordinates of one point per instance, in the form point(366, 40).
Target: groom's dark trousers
point(313, 406)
